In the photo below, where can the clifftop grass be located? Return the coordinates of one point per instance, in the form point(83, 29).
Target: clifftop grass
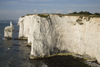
point(98, 16)
point(85, 14)
point(43, 15)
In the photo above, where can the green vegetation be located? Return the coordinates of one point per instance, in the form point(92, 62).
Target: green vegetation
point(60, 15)
point(75, 24)
point(78, 20)
point(81, 17)
point(81, 14)
point(27, 15)
point(22, 16)
point(81, 23)
point(86, 13)
point(22, 38)
point(43, 15)
point(29, 44)
point(88, 18)
point(46, 15)
point(63, 60)
point(8, 38)
point(96, 13)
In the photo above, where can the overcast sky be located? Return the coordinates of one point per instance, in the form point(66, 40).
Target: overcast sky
point(13, 9)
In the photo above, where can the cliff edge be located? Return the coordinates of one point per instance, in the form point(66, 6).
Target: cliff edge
point(52, 34)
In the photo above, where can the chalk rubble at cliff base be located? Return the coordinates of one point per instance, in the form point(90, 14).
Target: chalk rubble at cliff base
point(52, 34)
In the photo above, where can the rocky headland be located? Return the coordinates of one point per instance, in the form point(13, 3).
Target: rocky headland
point(50, 34)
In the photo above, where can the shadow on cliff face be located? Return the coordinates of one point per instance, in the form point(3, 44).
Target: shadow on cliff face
point(60, 61)
point(55, 50)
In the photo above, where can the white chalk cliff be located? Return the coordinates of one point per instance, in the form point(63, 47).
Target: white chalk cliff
point(8, 31)
point(56, 34)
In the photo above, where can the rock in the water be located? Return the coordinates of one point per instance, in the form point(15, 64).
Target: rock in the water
point(8, 31)
point(11, 26)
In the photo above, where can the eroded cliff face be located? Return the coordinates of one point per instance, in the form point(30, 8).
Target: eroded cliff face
point(56, 34)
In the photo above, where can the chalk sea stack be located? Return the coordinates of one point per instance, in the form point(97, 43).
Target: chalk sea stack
point(8, 31)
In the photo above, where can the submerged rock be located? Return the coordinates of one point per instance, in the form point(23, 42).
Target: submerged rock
point(16, 44)
point(63, 61)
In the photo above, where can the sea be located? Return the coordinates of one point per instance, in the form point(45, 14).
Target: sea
point(15, 53)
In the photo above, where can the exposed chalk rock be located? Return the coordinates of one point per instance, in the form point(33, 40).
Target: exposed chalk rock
point(8, 31)
point(53, 34)
point(11, 26)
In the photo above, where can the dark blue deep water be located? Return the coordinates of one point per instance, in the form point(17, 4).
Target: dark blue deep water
point(13, 53)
